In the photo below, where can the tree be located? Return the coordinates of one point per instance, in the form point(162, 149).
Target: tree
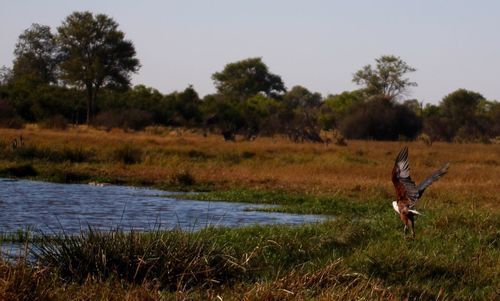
point(460, 109)
point(36, 55)
point(246, 78)
point(299, 117)
point(387, 78)
point(185, 107)
point(5, 75)
point(95, 54)
point(460, 106)
point(259, 114)
point(336, 107)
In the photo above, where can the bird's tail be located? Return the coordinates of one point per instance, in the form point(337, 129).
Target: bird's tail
point(415, 212)
point(432, 178)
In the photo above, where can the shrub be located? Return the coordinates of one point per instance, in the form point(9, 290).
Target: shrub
point(127, 154)
point(78, 154)
point(182, 178)
point(25, 170)
point(247, 155)
point(381, 119)
point(9, 117)
point(196, 154)
point(425, 139)
point(57, 122)
point(127, 119)
point(67, 176)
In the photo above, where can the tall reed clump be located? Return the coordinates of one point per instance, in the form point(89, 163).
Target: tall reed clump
point(50, 154)
point(172, 259)
point(19, 281)
point(182, 178)
point(127, 154)
point(334, 281)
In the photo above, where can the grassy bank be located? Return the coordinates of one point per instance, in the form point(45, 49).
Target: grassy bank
point(361, 254)
point(455, 256)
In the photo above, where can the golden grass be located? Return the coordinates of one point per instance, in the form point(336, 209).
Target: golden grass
point(360, 169)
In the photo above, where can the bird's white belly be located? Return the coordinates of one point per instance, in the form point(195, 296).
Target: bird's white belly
point(395, 206)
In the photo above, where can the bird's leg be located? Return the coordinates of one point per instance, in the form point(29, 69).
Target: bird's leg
point(412, 228)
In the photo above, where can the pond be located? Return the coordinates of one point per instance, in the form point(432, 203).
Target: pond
point(53, 208)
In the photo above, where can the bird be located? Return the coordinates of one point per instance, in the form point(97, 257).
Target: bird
point(407, 192)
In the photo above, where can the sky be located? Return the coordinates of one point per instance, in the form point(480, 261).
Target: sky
point(316, 44)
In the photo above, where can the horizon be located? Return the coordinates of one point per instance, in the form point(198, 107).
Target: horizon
point(318, 45)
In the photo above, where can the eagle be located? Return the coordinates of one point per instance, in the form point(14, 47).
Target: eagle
point(407, 193)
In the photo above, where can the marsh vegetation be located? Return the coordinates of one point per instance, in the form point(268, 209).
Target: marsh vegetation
point(360, 254)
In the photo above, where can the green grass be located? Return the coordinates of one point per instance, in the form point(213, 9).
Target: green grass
point(292, 203)
point(359, 253)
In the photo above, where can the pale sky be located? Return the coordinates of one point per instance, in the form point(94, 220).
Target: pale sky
point(317, 44)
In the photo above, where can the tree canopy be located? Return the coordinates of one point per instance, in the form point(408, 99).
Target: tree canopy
point(243, 79)
point(94, 54)
point(36, 55)
point(386, 78)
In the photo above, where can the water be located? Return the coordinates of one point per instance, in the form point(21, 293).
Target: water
point(52, 208)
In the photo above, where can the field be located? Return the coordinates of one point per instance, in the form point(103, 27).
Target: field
point(361, 254)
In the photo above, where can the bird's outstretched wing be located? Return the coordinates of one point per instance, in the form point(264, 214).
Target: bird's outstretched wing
point(431, 179)
point(401, 179)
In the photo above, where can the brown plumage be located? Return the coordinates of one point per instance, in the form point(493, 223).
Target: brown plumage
point(407, 193)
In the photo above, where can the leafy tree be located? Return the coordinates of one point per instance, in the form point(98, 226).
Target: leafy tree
point(386, 78)
point(259, 114)
point(95, 54)
point(185, 107)
point(36, 55)
point(494, 118)
point(299, 96)
point(460, 106)
point(299, 117)
point(139, 97)
point(5, 75)
point(246, 78)
point(414, 105)
point(431, 110)
point(222, 114)
point(336, 107)
point(464, 116)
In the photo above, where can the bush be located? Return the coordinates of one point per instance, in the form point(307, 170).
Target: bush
point(9, 117)
point(78, 154)
point(57, 122)
point(127, 119)
point(25, 170)
point(182, 178)
point(127, 154)
point(12, 123)
point(381, 119)
point(67, 176)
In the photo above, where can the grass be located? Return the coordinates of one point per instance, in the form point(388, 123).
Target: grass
point(360, 254)
point(454, 257)
point(141, 158)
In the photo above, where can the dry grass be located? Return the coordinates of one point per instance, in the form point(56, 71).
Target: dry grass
point(360, 169)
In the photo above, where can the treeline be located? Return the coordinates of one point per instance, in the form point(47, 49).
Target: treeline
point(81, 74)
